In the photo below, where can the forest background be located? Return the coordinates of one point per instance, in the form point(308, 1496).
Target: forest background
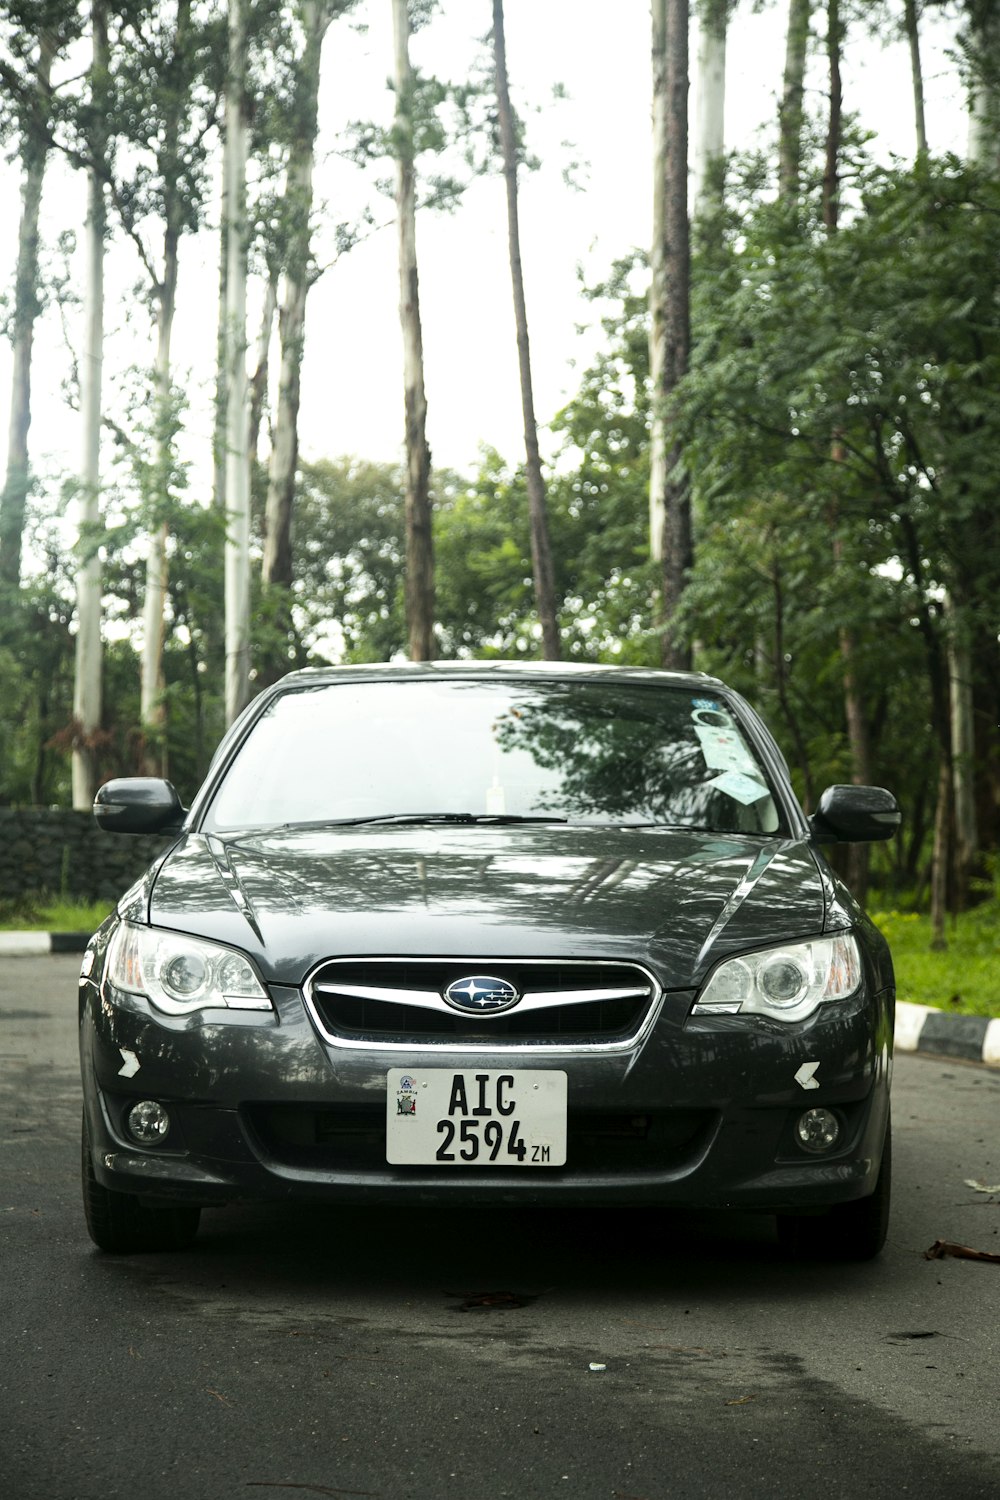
point(775, 458)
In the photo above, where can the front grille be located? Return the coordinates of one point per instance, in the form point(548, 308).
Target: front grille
point(352, 1139)
point(399, 1003)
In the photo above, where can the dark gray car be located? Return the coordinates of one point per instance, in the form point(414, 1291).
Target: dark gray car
point(493, 932)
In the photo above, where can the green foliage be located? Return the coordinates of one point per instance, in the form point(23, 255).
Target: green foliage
point(42, 913)
point(963, 978)
point(839, 431)
point(36, 666)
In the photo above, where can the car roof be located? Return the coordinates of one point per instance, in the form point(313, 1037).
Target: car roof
point(551, 670)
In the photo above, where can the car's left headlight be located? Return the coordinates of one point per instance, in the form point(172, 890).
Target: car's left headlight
point(180, 973)
point(786, 983)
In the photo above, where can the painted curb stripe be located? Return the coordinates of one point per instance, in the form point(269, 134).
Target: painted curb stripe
point(991, 1044)
point(30, 944)
point(909, 1024)
point(921, 1028)
point(25, 943)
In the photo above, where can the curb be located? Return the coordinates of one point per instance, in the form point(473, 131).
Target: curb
point(921, 1028)
point(28, 944)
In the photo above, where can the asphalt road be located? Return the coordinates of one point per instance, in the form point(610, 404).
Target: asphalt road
point(320, 1353)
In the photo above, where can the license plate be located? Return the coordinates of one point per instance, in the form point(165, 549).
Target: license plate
point(471, 1118)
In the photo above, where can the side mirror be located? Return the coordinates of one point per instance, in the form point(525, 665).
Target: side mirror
point(138, 804)
point(855, 815)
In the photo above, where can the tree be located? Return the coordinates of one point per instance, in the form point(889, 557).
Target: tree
point(237, 548)
point(541, 550)
point(419, 539)
point(911, 30)
point(710, 138)
point(980, 44)
point(670, 336)
point(87, 674)
point(316, 17)
point(39, 32)
point(886, 335)
point(164, 84)
point(791, 117)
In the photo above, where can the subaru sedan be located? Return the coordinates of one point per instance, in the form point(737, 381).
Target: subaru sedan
point(491, 933)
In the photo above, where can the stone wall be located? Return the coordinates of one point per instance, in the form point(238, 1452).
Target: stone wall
point(64, 854)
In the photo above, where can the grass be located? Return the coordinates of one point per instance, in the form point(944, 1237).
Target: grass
point(52, 914)
point(965, 978)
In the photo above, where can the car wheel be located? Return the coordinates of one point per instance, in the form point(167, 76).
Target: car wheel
point(122, 1224)
point(851, 1231)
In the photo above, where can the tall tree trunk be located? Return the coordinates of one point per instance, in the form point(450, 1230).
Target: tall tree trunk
point(670, 338)
point(854, 707)
point(835, 122)
point(88, 663)
point(911, 28)
point(419, 536)
point(791, 114)
point(963, 752)
point(299, 199)
point(152, 708)
point(237, 547)
point(658, 289)
point(541, 548)
point(710, 119)
point(981, 46)
point(34, 150)
point(940, 859)
point(261, 368)
point(221, 355)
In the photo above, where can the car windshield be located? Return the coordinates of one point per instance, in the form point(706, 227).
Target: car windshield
point(586, 751)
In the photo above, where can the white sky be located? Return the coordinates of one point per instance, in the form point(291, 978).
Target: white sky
point(352, 381)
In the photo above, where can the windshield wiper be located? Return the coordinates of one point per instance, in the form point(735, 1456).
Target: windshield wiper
point(454, 817)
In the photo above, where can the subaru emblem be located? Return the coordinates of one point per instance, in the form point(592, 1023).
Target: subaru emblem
point(481, 994)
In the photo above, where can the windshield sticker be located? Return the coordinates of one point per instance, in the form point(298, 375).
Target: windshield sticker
point(742, 789)
point(714, 716)
point(708, 703)
point(723, 749)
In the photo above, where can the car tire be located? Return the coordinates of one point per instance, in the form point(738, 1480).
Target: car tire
point(851, 1231)
point(122, 1224)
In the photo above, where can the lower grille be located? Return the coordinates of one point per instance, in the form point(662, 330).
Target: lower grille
point(400, 1003)
point(352, 1139)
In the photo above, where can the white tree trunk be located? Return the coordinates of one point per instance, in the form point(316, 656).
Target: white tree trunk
point(151, 708)
point(982, 56)
point(277, 567)
point(88, 664)
point(710, 116)
point(14, 499)
point(237, 553)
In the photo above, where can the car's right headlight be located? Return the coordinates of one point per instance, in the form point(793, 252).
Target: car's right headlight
point(180, 973)
point(786, 983)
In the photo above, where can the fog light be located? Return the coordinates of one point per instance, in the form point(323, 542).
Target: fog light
point(148, 1122)
point(818, 1130)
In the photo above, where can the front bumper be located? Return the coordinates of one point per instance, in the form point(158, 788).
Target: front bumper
point(702, 1113)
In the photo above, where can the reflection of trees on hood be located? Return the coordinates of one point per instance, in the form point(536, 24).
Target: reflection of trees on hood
point(612, 761)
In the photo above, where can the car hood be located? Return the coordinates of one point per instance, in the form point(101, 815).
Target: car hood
point(674, 900)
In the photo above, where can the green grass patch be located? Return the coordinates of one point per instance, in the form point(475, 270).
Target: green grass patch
point(39, 913)
point(963, 979)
